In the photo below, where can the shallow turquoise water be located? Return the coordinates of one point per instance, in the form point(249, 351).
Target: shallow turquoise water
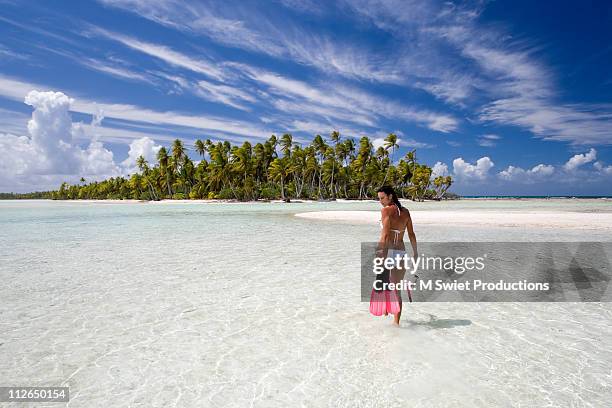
point(192, 304)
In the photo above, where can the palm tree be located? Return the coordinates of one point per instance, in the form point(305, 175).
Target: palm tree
point(361, 162)
point(442, 184)
point(248, 170)
point(242, 162)
point(286, 142)
point(298, 169)
point(390, 143)
point(320, 147)
point(178, 152)
point(200, 147)
point(259, 153)
point(312, 167)
point(162, 158)
point(335, 137)
point(280, 169)
point(144, 168)
point(273, 142)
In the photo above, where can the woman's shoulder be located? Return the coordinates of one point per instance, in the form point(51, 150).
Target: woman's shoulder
point(388, 209)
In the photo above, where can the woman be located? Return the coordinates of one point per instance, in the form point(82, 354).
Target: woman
point(395, 219)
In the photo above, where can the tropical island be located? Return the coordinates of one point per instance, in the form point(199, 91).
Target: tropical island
point(319, 171)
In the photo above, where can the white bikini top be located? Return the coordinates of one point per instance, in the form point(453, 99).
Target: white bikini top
point(395, 232)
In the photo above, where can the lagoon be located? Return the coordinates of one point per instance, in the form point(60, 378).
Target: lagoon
point(216, 304)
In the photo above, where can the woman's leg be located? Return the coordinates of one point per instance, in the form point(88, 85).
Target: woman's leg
point(396, 276)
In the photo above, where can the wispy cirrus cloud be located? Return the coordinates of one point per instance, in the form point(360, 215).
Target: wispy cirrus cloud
point(165, 53)
point(10, 54)
point(522, 90)
point(488, 140)
point(15, 89)
point(116, 70)
point(248, 28)
point(342, 101)
point(481, 67)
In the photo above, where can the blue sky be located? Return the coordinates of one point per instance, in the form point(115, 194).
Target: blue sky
point(507, 97)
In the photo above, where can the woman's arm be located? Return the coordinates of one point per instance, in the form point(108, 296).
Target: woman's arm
point(381, 249)
point(412, 236)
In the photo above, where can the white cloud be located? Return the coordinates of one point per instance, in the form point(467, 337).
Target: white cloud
point(437, 46)
point(579, 159)
point(378, 142)
point(97, 162)
point(402, 140)
point(49, 155)
point(165, 54)
point(114, 70)
point(14, 89)
point(573, 171)
point(439, 169)
point(319, 128)
point(488, 140)
point(304, 6)
point(248, 28)
point(525, 96)
point(144, 147)
point(409, 142)
point(341, 102)
point(600, 167)
point(459, 61)
point(543, 169)
point(323, 53)
point(9, 54)
point(227, 95)
point(51, 130)
point(537, 173)
point(467, 171)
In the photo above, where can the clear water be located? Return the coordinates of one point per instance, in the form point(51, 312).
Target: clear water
point(186, 304)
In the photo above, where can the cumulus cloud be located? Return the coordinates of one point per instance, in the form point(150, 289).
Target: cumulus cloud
point(600, 167)
point(144, 147)
point(439, 169)
point(579, 159)
point(49, 155)
point(467, 171)
point(536, 173)
point(572, 171)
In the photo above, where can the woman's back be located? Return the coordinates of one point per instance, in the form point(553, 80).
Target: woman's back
point(398, 219)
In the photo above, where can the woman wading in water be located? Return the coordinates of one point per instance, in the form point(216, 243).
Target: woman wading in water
point(395, 219)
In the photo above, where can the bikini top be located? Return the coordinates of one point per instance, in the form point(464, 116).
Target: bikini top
point(394, 231)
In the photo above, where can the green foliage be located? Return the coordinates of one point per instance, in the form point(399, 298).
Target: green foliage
point(225, 194)
point(336, 167)
point(269, 192)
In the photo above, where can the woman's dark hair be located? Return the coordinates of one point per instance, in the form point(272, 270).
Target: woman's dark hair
point(388, 190)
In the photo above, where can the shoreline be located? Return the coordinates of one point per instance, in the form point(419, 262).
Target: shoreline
point(305, 201)
point(467, 218)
